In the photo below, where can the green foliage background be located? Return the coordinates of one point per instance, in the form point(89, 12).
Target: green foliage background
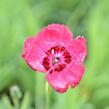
point(22, 88)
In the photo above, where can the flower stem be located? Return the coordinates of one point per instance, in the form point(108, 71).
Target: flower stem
point(46, 96)
point(39, 92)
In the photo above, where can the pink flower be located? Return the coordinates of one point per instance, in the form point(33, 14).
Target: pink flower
point(54, 52)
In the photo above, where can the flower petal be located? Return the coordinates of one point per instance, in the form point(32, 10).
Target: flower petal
point(55, 33)
point(78, 49)
point(74, 74)
point(57, 81)
point(64, 30)
point(71, 76)
point(33, 54)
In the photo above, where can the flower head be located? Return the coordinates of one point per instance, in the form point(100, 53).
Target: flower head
point(54, 52)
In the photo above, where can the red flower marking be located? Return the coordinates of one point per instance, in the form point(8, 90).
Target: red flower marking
point(56, 59)
point(53, 51)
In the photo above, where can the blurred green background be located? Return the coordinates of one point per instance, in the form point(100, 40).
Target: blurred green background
point(22, 88)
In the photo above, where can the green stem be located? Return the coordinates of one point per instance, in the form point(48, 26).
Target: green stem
point(46, 95)
point(39, 90)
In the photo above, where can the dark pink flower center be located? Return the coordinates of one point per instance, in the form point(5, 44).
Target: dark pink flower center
point(56, 59)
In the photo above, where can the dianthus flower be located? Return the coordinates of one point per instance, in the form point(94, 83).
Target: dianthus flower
point(55, 52)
